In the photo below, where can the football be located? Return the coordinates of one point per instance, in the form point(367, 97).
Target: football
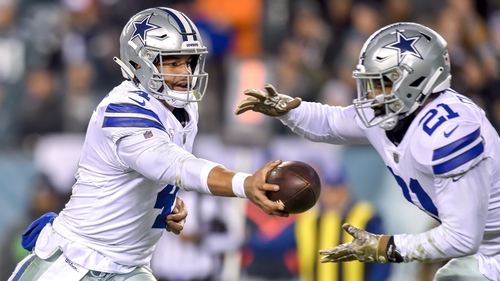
point(299, 183)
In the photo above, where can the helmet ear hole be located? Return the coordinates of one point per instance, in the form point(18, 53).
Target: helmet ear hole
point(156, 60)
point(417, 82)
point(135, 65)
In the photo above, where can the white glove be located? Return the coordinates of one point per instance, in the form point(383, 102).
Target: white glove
point(366, 247)
point(270, 103)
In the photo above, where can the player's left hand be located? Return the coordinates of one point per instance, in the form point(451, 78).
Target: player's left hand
point(366, 247)
point(176, 220)
point(271, 103)
point(256, 187)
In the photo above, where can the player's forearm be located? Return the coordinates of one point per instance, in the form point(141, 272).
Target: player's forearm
point(220, 181)
point(437, 244)
point(164, 161)
point(322, 123)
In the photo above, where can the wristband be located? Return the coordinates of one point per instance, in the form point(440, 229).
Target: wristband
point(393, 255)
point(238, 184)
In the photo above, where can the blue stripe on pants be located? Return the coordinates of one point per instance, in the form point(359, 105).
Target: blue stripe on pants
point(23, 268)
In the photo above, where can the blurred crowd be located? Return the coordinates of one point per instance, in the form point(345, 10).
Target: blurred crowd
point(56, 63)
point(57, 54)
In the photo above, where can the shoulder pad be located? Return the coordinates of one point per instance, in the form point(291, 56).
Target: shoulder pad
point(131, 111)
point(450, 148)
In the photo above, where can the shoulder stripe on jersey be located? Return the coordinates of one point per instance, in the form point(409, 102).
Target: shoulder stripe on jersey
point(131, 108)
point(131, 122)
point(182, 22)
point(459, 160)
point(456, 145)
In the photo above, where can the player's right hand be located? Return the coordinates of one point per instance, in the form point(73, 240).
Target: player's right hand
point(365, 247)
point(256, 187)
point(271, 103)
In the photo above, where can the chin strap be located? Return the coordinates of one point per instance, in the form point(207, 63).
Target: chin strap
point(390, 123)
point(125, 70)
point(422, 97)
point(430, 84)
point(128, 74)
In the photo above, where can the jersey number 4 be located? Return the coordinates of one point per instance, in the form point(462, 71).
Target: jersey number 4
point(165, 201)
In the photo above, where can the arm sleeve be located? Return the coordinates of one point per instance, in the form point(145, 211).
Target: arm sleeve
point(159, 159)
point(462, 202)
point(323, 123)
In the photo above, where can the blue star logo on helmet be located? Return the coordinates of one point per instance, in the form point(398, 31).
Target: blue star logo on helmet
point(405, 46)
point(142, 27)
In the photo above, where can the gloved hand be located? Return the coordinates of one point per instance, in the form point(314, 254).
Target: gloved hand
point(366, 247)
point(271, 103)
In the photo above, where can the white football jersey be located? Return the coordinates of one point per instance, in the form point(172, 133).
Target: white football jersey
point(447, 164)
point(136, 156)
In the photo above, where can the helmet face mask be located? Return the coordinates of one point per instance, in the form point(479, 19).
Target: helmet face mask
point(400, 65)
point(162, 83)
point(375, 92)
point(158, 34)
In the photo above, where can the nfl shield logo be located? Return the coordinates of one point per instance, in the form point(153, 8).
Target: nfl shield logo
point(148, 134)
point(395, 156)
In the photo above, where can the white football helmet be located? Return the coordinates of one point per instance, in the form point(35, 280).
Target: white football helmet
point(411, 56)
point(148, 37)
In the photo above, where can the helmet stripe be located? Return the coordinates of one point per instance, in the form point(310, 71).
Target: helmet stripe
point(183, 22)
point(191, 26)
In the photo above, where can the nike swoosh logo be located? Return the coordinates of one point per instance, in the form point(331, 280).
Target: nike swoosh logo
point(455, 179)
point(450, 132)
point(143, 103)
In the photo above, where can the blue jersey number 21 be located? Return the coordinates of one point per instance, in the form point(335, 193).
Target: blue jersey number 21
point(423, 198)
point(164, 201)
point(441, 119)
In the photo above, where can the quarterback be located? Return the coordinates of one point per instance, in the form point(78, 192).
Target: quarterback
point(438, 144)
point(136, 156)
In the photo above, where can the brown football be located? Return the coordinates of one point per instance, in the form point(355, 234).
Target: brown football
point(300, 186)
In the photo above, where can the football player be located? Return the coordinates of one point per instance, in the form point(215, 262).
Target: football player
point(438, 144)
point(136, 156)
